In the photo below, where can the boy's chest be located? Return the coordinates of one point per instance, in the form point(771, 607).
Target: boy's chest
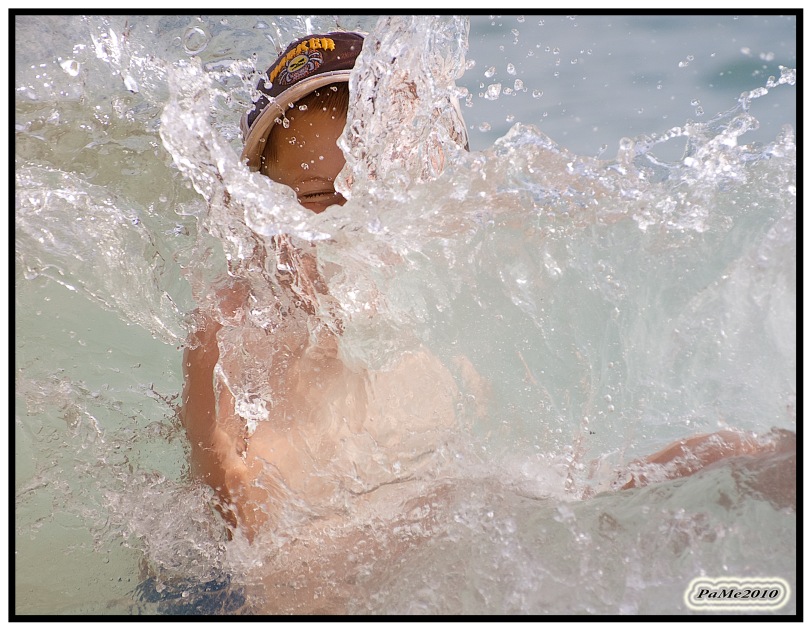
point(330, 428)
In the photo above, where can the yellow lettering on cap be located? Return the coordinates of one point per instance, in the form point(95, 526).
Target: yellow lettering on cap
point(276, 71)
point(327, 43)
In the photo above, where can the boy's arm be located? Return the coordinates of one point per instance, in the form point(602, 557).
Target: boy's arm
point(209, 444)
point(198, 409)
point(688, 456)
point(218, 450)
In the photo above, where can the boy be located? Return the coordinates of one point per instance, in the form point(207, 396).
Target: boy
point(334, 433)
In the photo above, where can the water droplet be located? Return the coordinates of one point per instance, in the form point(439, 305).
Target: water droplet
point(484, 126)
point(694, 101)
point(518, 85)
point(787, 75)
point(511, 69)
point(509, 118)
point(130, 84)
point(556, 51)
point(490, 72)
point(195, 40)
point(520, 19)
point(493, 91)
point(71, 66)
point(537, 94)
point(574, 61)
point(303, 108)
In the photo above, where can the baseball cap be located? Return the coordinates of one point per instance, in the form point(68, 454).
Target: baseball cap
point(306, 65)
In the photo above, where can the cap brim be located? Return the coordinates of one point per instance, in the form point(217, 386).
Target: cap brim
point(254, 145)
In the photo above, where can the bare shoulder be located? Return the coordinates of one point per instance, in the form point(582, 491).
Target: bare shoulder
point(201, 352)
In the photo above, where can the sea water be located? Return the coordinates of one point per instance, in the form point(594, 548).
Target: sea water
point(614, 258)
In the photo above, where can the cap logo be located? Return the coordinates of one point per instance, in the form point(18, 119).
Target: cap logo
point(300, 66)
point(301, 61)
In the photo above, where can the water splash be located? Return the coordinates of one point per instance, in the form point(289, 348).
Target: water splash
point(404, 126)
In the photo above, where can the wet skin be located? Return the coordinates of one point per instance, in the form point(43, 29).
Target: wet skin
point(307, 158)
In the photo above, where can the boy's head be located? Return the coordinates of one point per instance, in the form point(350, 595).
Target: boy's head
point(290, 133)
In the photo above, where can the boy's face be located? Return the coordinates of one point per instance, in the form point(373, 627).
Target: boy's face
point(307, 158)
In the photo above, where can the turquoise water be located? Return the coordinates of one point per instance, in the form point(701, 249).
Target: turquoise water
point(616, 259)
